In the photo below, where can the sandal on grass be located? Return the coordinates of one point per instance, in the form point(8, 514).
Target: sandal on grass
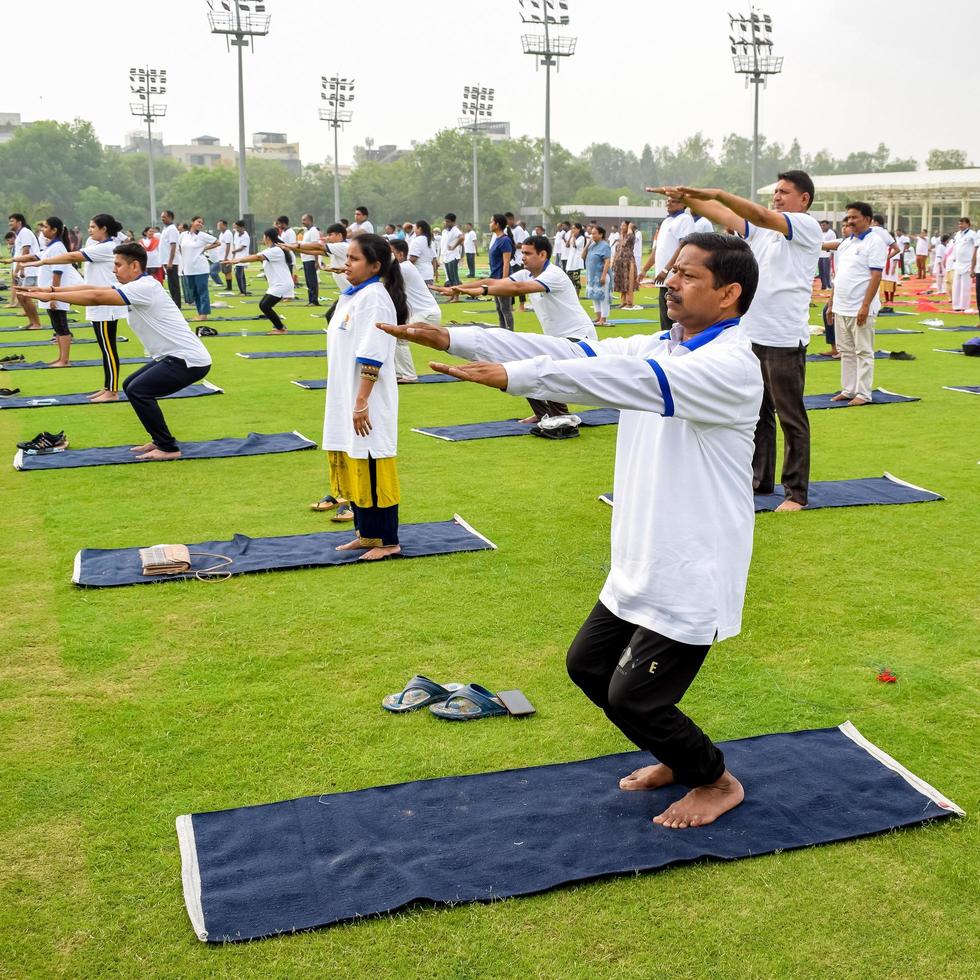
point(417, 693)
point(344, 513)
point(327, 503)
point(468, 704)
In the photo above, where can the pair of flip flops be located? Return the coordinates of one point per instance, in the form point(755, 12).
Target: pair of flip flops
point(454, 702)
point(344, 511)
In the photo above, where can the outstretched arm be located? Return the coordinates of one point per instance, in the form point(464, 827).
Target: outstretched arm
point(76, 295)
point(245, 258)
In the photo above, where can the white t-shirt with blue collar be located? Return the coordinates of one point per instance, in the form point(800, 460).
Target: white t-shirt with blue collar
point(558, 307)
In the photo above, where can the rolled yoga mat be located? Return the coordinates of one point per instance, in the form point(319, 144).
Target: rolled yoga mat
point(261, 871)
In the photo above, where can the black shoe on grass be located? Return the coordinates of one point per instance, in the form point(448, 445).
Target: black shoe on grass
point(45, 442)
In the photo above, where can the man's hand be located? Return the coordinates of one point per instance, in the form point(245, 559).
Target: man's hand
point(830, 317)
point(479, 372)
point(419, 333)
point(660, 277)
point(862, 317)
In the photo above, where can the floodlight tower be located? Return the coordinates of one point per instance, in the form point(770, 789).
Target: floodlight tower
point(336, 92)
point(240, 22)
point(477, 112)
point(548, 52)
point(752, 57)
point(144, 83)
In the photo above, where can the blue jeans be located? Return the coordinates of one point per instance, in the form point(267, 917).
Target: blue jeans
point(240, 279)
point(198, 286)
point(216, 273)
point(452, 272)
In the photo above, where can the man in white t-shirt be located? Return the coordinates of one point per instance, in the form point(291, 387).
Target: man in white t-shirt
point(903, 241)
point(637, 246)
point(786, 242)
point(241, 245)
point(553, 298)
point(451, 249)
point(169, 245)
point(178, 357)
point(683, 521)
point(194, 264)
point(361, 225)
point(470, 249)
point(26, 243)
point(288, 237)
point(677, 225)
point(921, 253)
point(823, 263)
point(311, 235)
point(703, 225)
point(854, 304)
point(963, 247)
point(154, 263)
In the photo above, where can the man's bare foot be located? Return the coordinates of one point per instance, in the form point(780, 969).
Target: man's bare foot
point(789, 505)
point(143, 449)
point(358, 544)
point(33, 326)
point(105, 396)
point(384, 552)
point(858, 400)
point(95, 393)
point(530, 420)
point(199, 319)
point(158, 454)
point(649, 777)
point(842, 397)
point(703, 805)
point(269, 332)
point(59, 363)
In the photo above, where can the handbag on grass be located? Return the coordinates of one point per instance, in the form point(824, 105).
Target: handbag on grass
point(175, 559)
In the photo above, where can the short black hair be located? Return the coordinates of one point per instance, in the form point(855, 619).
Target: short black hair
point(400, 246)
point(239, 223)
point(336, 229)
point(450, 216)
point(730, 259)
point(879, 217)
point(965, 218)
point(17, 216)
point(539, 243)
point(132, 251)
point(861, 207)
point(362, 209)
point(801, 180)
point(169, 214)
point(283, 219)
point(508, 214)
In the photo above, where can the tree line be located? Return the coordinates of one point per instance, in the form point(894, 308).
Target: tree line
point(61, 168)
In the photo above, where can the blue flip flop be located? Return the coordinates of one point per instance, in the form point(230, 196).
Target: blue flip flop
point(468, 704)
point(417, 693)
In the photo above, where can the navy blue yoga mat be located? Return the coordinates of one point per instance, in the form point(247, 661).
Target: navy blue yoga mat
point(510, 427)
point(319, 384)
point(14, 329)
point(896, 313)
point(879, 396)
point(974, 329)
point(79, 398)
point(264, 332)
point(47, 343)
point(626, 323)
point(99, 567)
point(969, 389)
point(254, 444)
point(41, 365)
point(880, 355)
point(319, 860)
point(897, 330)
point(260, 355)
point(885, 489)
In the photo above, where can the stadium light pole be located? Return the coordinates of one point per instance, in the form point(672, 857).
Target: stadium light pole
point(336, 92)
point(144, 83)
point(240, 22)
point(548, 52)
point(477, 110)
point(752, 57)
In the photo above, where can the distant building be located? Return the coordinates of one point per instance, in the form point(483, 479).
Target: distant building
point(275, 146)
point(9, 124)
point(386, 153)
point(202, 151)
point(209, 151)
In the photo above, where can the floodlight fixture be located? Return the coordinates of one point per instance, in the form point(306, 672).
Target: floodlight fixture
point(338, 93)
point(145, 83)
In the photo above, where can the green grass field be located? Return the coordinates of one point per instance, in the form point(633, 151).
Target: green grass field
point(122, 708)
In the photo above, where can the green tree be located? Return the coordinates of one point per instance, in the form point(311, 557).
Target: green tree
point(946, 160)
point(210, 192)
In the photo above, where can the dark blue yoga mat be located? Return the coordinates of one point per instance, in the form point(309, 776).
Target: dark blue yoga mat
point(254, 444)
point(880, 355)
point(22, 329)
point(264, 333)
point(897, 330)
point(969, 389)
point(41, 365)
point(879, 396)
point(48, 343)
point(79, 398)
point(896, 313)
point(319, 384)
point(626, 323)
point(99, 567)
point(319, 860)
point(974, 329)
point(885, 489)
point(511, 427)
point(261, 355)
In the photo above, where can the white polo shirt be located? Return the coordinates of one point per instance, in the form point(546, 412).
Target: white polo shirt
point(921, 245)
point(703, 225)
point(684, 518)
point(168, 236)
point(672, 229)
point(337, 259)
point(857, 257)
point(100, 271)
point(241, 243)
point(27, 239)
point(520, 235)
point(452, 242)
point(193, 260)
point(46, 273)
point(225, 250)
point(159, 324)
point(964, 242)
point(638, 248)
point(424, 254)
point(421, 302)
point(828, 236)
point(310, 235)
point(558, 307)
point(278, 278)
point(360, 228)
point(469, 243)
point(780, 312)
point(352, 340)
point(153, 258)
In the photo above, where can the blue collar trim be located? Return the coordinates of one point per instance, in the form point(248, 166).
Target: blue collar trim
point(862, 236)
point(706, 336)
point(350, 290)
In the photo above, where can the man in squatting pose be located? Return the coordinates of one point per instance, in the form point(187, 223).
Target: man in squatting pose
point(684, 513)
point(178, 358)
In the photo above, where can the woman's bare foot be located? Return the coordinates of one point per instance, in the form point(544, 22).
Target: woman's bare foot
point(649, 777)
point(704, 804)
point(530, 420)
point(105, 396)
point(789, 505)
point(270, 332)
point(384, 552)
point(358, 544)
point(59, 363)
point(159, 454)
point(199, 319)
point(143, 449)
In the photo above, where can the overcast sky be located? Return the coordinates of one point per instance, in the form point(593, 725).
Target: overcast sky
point(643, 72)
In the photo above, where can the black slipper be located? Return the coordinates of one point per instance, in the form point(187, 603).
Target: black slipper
point(7, 392)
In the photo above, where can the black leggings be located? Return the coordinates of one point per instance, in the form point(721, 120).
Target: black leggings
point(105, 334)
point(156, 380)
point(59, 322)
point(267, 305)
